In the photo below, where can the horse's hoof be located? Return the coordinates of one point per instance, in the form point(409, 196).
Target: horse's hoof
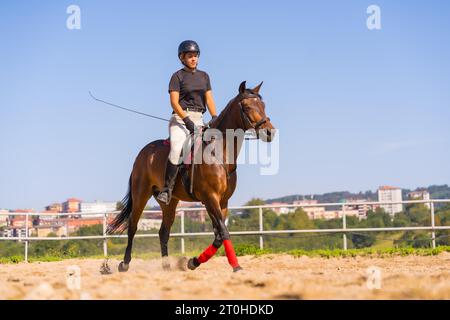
point(182, 264)
point(236, 269)
point(123, 267)
point(193, 263)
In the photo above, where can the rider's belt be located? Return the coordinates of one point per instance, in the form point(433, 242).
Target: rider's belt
point(195, 109)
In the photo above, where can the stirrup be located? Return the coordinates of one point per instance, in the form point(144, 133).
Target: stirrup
point(163, 196)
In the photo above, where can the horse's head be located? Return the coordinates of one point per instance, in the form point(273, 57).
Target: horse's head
point(253, 113)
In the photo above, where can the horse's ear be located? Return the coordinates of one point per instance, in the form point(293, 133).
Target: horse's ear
point(256, 89)
point(242, 87)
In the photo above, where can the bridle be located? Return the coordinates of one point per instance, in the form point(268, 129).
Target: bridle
point(246, 120)
point(244, 116)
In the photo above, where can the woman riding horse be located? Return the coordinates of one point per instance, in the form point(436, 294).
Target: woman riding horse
point(214, 183)
point(190, 93)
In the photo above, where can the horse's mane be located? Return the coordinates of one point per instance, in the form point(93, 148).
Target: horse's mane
point(222, 114)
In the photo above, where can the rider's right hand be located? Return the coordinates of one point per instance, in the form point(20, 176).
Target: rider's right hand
point(189, 124)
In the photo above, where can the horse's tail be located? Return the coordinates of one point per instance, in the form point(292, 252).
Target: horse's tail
point(120, 222)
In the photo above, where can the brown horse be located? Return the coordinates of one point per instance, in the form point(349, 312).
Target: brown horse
point(213, 184)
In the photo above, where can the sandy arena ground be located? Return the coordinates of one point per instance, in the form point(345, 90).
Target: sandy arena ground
point(263, 277)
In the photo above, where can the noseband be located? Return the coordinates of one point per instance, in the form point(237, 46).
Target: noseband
point(245, 119)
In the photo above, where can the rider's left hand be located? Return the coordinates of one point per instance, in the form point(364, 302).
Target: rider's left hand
point(213, 118)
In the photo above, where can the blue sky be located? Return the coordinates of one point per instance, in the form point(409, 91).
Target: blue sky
point(356, 108)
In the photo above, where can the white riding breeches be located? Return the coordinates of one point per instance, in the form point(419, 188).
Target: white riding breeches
point(179, 134)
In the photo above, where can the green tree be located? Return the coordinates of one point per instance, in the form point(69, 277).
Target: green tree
point(443, 219)
point(401, 219)
point(296, 220)
point(418, 213)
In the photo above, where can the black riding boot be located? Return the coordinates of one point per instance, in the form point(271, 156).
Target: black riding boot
point(171, 173)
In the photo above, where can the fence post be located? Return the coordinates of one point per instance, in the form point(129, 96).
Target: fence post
point(433, 234)
point(26, 240)
point(182, 231)
point(261, 240)
point(344, 226)
point(105, 240)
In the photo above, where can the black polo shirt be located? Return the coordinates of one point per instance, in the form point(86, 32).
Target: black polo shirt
point(192, 87)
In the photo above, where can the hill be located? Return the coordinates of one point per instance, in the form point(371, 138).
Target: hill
point(436, 192)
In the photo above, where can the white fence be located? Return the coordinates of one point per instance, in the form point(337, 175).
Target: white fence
point(182, 234)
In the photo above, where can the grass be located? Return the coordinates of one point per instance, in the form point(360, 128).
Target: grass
point(243, 249)
point(340, 253)
point(370, 252)
point(387, 243)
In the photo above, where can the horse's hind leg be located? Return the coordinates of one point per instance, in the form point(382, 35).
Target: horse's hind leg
point(140, 196)
point(164, 232)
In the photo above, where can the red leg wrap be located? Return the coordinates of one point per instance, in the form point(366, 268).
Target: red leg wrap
point(231, 255)
point(207, 254)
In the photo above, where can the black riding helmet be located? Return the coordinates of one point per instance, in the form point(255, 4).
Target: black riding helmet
point(188, 46)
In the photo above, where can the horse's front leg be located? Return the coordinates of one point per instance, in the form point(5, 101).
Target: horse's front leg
point(221, 236)
point(193, 263)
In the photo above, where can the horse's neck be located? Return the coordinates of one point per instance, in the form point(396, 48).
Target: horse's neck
point(231, 119)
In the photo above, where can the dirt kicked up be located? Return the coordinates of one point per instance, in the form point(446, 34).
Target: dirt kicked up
point(274, 276)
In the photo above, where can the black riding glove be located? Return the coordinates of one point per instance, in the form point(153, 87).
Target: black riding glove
point(213, 118)
point(189, 124)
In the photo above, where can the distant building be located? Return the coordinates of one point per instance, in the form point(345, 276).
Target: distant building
point(3, 217)
point(98, 207)
point(23, 211)
point(320, 212)
point(195, 212)
point(315, 212)
point(282, 209)
point(71, 205)
point(337, 214)
point(362, 207)
point(73, 225)
point(199, 215)
point(149, 215)
point(11, 231)
point(47, 218)
point(65, 225)
point(390, 194)
point(185, 204)
point(19, 222)
point(45, 230)
point(54, 207)
point(420, 195)
point(149, 224)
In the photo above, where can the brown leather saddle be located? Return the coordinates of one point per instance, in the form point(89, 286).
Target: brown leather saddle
point(187, 166)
